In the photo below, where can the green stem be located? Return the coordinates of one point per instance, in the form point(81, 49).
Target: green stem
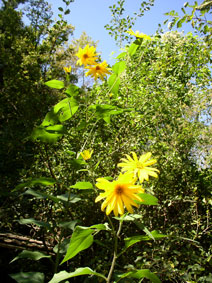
point(116, 236)
point(58, 255)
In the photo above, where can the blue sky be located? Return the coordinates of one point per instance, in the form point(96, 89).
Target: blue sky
point(92, 15)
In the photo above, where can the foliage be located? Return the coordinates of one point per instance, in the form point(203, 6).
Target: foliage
point(198, 16)
point(158, 100)
point(120, 22)
point(26, 54)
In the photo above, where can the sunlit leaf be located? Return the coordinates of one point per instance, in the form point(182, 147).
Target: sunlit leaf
point(82, 186)
point(129, 217)
point(66, 108)
point(72, 90)
point(113, 83)
point(55, 84)
point(155, 235)
point(104, 111)
point(148, 199)
point(60, 129)
point(121, 55)
point(40, 133)
point(81, 239)
point(139, 274)
point(51, 118)
point(132, 49)
point(100, 226)
point(119, 67)
point(63, 275)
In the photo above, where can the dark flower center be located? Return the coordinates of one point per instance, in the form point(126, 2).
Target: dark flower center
point(119, 189)
point(98, 68)
point(85, 56)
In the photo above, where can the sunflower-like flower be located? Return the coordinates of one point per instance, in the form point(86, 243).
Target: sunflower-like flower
point(67, 69)
point(119, 194)
point(98, 70)
point(86, 154)
point(139, 167)
point(87, 55)
point(138, 34)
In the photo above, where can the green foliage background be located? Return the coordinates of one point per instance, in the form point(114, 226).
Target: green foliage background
point(158, 99)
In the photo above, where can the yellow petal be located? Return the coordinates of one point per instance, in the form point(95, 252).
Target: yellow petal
point(134, 156)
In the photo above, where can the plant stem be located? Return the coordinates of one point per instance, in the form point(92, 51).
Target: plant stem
point(116, 236)
point(58, 254)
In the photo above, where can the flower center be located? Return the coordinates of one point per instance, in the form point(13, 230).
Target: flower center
point(139, 165)
point(98, 68)
point(85, 56)
point(119, 189)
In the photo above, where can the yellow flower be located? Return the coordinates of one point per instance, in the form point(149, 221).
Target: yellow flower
point(139, 167)
point(98, 70)
point(137, 34)
point(87, 55)
point(86, 154)
point(67, 69)
point(119, 194)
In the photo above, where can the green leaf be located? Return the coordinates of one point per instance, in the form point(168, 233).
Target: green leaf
point(42, 181)
point(63, 275)
point(100, 227)
point(67, 12)
point(114, 82)
point(26, 277)
point(130, 217)
point(148, 199)
point(81, 239)
point(72, 90)
point(82, 186)
point(180, 22)
point(119, 67)
point(104, 111)
point(66, 108)
point(55, 84)
point(77, 163)
point(61, 129)
point(132, 49)
point(63, 247)
point(139, 274)
point(72, 198)
point(50, 119)
point(40, 133)
point(34, 255)
point(41, 195)
point(121, 55)
point(49, 131)
point(68, 224)
point(155, 235)
point(35, 222)
point(148, 233)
